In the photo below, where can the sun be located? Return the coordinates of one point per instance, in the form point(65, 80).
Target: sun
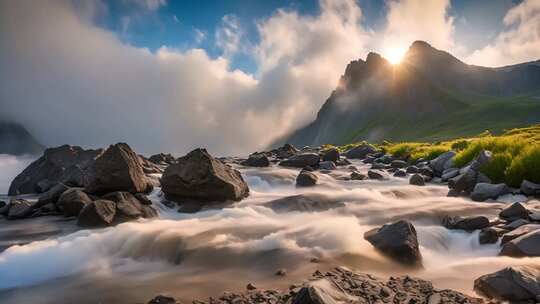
point(394, 55)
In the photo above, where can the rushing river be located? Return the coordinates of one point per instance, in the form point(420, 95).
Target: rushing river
point(193, 256)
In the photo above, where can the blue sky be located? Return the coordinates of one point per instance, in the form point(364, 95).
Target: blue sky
point(193, 24)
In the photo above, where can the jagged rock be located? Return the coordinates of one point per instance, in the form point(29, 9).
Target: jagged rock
point(488, 236)
point(117, 169)
point(56, 165)
point(301, 160)
point(286, 151)
point(162, 159)
point(483, 191)
point(397, 241)
point(149, 167)
point(161, 299)
point(357, 176)
point(257, 160)
point(19, 209)
point(513, 212)
point(52, 195)
point(412, 169)
point(331, 155)
point(464, 182)
point(360, 152)
point(72, 201)
point(201, 177)
point(417, 180)
point(376, 174)
point(307, 202)
point(306, 179)
point(98, 213)
point(442, 162)
point(522, 230)
point(465, 223)
point(525, 245)
point(128, 207)
point(529, 188)
point(514, 284)
point(250, 286)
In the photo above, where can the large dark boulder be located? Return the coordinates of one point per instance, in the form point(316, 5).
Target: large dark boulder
point(521, 230)
point(306, 179)
point(64, 164)
point(286, 151)
point(301, 160)
point(201, 177)
point(360, 152)
point(442, 162)
point(257, 160)
point(514, 212)
point(117, 169)
point(484, 191)
point(99, 213)
point(512, 284)
point(331, 155)
point(397, 241)
point(529, 188)
point(72, 201)
point(417, 180)
point(465, 223)
point(527, 245)
point(52, 195)
point(128, 207)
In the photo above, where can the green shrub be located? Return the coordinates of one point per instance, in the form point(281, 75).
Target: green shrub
point(506, 144)
point(525, 166)
point(496, 169)
point(460, 145)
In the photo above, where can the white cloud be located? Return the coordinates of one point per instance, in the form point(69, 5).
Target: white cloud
point(410, 20)
point(519, 42)
point(229, 36)
point(72, 82)
point(149, 4)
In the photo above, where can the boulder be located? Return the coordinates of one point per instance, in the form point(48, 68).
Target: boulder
point(307, 202)
point(52, 195)
point(376, 174)
point(481, 159)
point(257, 160)
point(397, 241)
point(521, 230)
point(525, 245)
point(400, 173)
point(19, 209)
point(360, 152)
point(483, 191)
point(306, 179)
point(327, 165)
point(450, 173)
point(301, 160)
point(286, 151)
point(331, 155)
point(427, 172)
point(59, 164)
point(464, 182)
point(412, 169)
point(128, 207)
point(117, 169)
point(512, 284)
point(72, 201)
point(513, 212)
point(515, 224)
point(465, 223)
point(149, 167)
point(357, 176)
point(417, 180)
point(442, 162)
point(98, 213)
point(201, 177)
point(398, 164)
point(488, 236)
point(161, 299)
point(143, 199)
point(529, 188)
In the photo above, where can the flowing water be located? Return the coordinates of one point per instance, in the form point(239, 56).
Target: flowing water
point(194, 256)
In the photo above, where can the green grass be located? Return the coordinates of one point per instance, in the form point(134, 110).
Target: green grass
point(516, 153)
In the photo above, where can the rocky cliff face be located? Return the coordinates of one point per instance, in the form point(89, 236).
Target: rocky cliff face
point(429, 90)
point(16, 140)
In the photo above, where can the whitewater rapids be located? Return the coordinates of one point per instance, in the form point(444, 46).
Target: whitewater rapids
point(194, 256)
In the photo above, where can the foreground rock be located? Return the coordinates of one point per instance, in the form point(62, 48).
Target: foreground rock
point(64, 164)
point(72, 201)
point(99, 213)
point(342, 285)
point(199, 176)
point(306, 179)
point(514, 284)
point(397, 241)
point(360, 152)
point(527, 245)
point(301, 160)
point(417, 180)
point(257, 160)
point(117, 169)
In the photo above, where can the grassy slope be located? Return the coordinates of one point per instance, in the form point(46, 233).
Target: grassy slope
point(516, 153)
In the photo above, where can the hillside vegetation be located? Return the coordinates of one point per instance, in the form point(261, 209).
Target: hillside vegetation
point(516, 153)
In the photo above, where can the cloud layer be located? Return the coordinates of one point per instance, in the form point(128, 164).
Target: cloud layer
point(70, 81)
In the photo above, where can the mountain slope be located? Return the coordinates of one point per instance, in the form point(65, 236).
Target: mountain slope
point(16, 140)
point(430, 95)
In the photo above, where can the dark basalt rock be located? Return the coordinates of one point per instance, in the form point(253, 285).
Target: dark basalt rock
point(301, 160)
point(522, 230)
point(257, 160)
point(128, 207)
point(376, 174)
point(527, 245)
point(514, 212)
point(465, 223)
point(331, 155)
point(161, 299)
point(72, 201)
point(306, 179)
point(529, 188)
point(488, 236)
point(360, 152)
point(64, 164)
point(117, 169)
point(201, 177)
point(417, 180)
point(397, 241)
point(513, 284)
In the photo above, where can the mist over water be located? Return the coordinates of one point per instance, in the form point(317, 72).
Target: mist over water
point(10, 166)
point(199, 255)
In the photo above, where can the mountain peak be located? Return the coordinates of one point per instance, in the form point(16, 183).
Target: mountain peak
point(420, 45)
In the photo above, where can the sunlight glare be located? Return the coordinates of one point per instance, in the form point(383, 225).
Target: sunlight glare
point(394, 55)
